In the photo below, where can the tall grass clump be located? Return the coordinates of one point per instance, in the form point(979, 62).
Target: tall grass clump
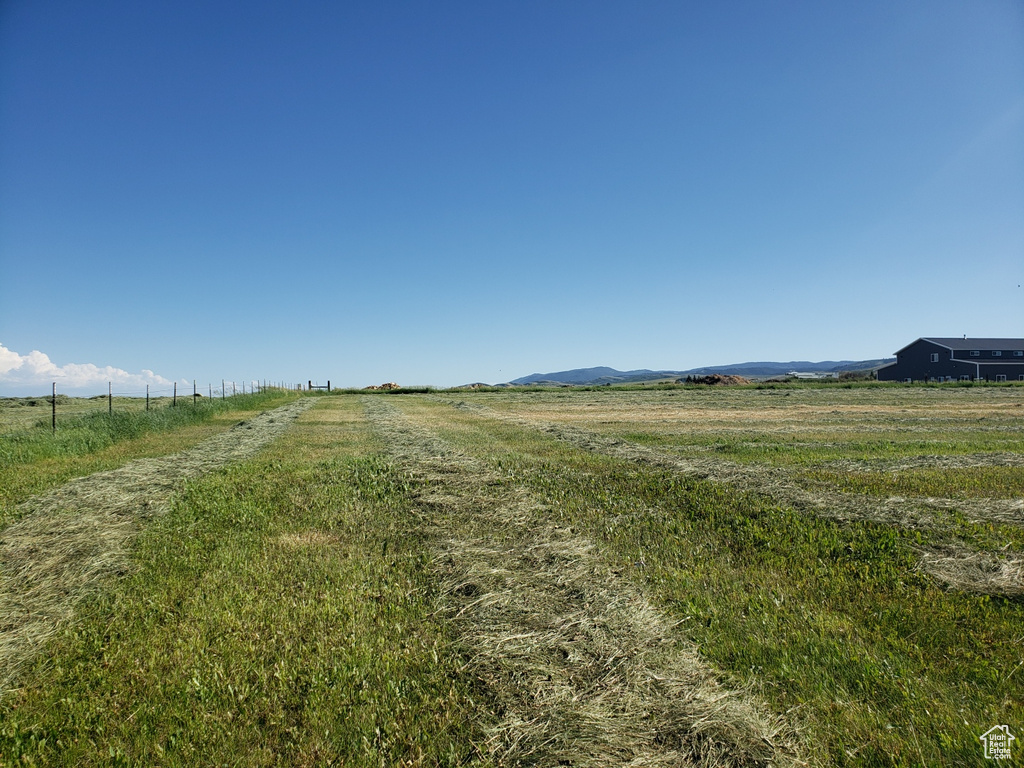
point(91, 432)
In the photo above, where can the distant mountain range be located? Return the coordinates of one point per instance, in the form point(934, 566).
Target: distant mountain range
point(604, 375)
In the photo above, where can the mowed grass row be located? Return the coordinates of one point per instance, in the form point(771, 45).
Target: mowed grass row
point(35, 460)
point(791, 425)
point(832, 622)
point(951, 482)
point(279, 614)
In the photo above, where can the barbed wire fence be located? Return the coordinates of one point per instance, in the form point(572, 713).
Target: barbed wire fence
point(163, 397)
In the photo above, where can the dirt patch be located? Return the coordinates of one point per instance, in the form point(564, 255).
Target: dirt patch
point(581, 669)
point(66, 541)
point(715, 379)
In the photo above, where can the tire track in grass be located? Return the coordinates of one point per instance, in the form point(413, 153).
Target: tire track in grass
point(958, 567)
point(581, 668)
point(66, 541)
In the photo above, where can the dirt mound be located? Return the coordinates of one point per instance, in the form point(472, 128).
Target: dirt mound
point(714, 379)
point(386, 385)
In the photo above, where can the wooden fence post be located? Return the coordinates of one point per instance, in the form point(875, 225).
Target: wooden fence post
point(194, 393)
point(147, 397)
point(110, 400)
point(174, 400)
point(54, 407)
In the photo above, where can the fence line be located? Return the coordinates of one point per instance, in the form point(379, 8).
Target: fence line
point(250, 387)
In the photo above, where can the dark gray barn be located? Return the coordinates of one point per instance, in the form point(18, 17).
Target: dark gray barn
point(943, 359)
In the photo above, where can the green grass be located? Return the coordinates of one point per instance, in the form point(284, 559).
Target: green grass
point(279, 615)
point(33, 460)
point(832, 620)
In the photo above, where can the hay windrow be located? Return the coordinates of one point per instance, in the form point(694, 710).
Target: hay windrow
point(581, 669)
point(983, 572)
point(777, 483)
point(67, 541)
point(992, 459)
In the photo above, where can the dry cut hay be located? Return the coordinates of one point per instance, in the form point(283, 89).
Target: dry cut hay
point(991, 459)
point(65, 542)
point(580, 667)
point(973, 571)
point(306, 540)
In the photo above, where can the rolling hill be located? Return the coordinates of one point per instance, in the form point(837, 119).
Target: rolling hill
point(605, 375)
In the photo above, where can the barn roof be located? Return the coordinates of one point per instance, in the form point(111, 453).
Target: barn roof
point(960, 344)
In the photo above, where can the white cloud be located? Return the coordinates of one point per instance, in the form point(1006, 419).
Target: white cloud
point(35, 372)
point(9, 361)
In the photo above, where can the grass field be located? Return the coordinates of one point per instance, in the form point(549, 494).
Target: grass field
point(789, 576)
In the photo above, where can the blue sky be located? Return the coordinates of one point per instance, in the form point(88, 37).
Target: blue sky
point(439, 193)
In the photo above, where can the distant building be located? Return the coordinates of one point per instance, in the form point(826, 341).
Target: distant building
point(944, 359)
point(813, 374)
